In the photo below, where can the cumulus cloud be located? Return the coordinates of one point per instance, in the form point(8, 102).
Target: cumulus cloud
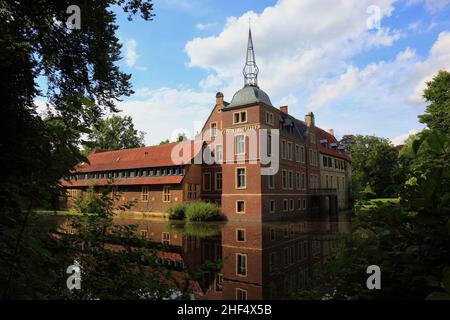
point(295, 41)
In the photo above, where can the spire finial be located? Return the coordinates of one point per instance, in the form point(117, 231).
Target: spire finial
point(250, 70)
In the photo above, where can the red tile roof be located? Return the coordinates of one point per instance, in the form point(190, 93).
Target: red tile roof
point(153, 156)
point(122, 182)
point(321, 135)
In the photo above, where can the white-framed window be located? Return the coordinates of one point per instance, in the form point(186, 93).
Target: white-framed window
point(207, 181)
point(303, 181)
point(240, 235)
point(213, 129)
point(269, 118)
point(240, 206)
point(271, 181)
point(269, 145)
point(144, 193)
point(302, 154)
point(285, 204)
point(297, 153)
point(283, 149)
point(166, 194)
point(271, 206)
point(289, 150)
point(219, 153)
point(239, 144)
point(241, 182)
point(290, 180)
point(218, 180)
point(241, 264)
point(291, 204)
point(241, 294)
point(239, 117)
point(284, 183)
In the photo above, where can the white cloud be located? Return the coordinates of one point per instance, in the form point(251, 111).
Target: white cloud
point(163, 112)
point(295, 41)
point(131, 55)
point(400, 139)
point(210, 82)
point(204, 26)
point(431, 5)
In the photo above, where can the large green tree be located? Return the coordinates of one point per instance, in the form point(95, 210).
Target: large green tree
point(115, 133)
point(81, 80)
point(374, 161)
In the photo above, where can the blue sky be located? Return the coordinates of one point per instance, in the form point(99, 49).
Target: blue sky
point(313, 55)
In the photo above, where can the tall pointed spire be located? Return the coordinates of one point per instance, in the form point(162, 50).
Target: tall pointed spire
point(250, 70)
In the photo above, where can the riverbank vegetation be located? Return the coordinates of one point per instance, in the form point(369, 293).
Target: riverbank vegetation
point(408, 239)
point(196, 211)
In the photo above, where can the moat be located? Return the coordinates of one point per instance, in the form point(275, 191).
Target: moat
point(241, 260)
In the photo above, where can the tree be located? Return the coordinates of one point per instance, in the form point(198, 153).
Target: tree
point(410, 242)
point(82, 80)
point(437, 93)
point(374, 160)
point(115, 133)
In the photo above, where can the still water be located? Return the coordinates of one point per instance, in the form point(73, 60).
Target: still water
point(251, 260)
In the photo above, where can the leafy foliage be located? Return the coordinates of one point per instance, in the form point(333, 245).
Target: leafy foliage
point(115, 133)
point(203, 211)
point(178, 211)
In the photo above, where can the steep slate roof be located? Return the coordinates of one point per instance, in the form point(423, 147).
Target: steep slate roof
point(321, 135)
point(145, 157)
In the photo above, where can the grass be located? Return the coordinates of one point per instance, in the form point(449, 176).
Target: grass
point(57, 213)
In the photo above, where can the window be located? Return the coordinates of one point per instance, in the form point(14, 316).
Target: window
point(289, 150)
point(218, 179)
point(302, 181)
point(269, 145)
point(311, 157)
point(302, 154)
point(272, 261)
point(241, 294)
point(240, 117)
point(166, 194)
point(240, 144)
point(284, 179)
point(304, 204)
point(166, 238)
point(240, 178)
point(325, 161)
point(207, 181)
point(271, 206)
point(271, 182)
point(219, 282)
point(297, 153)
point(299, 204)
point(285, 205)
point(297, 180)
point(144, 234)
point(213, 129)
point(291, 180)
point(283, 149)
point(241, 264)
point(192, 194)
point(330, 162)
point(272, 234)
point(291, 204)
point(240, 235)
point(219, 153)
point(240, 206)
point(269, 118)
point(144, 194)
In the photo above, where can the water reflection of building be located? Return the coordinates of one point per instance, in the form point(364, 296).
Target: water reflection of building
point(260, 260)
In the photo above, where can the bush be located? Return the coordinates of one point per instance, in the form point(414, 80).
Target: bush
point(177, 212)
point(203, 211)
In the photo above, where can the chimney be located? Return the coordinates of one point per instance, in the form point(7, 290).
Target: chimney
point(284, 109)
point(219, 98)
point(331, 131)
point(309, 119)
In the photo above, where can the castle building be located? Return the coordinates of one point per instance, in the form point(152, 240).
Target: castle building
point(258, 162)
